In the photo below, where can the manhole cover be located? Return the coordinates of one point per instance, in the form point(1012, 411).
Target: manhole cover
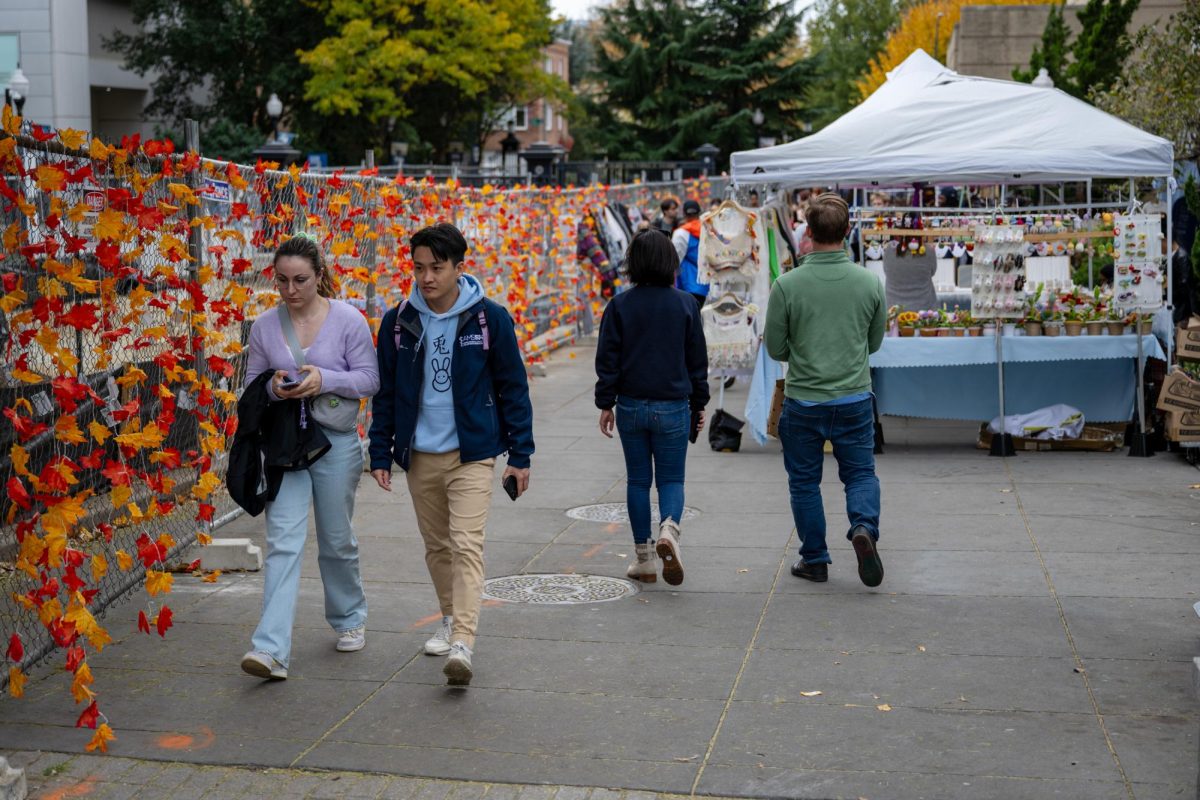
point(617, 512)
point(557, 590)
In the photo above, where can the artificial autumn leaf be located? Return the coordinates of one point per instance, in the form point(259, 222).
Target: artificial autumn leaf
point(163, 621)
point(158, 582)
point(99, 567)
point(207, 484)
point(51, 178)
point(16, 650)
point(212, 576)
point(66, 429)
point(90, 717)
point(124, 560)
point(99, 432)
point(72, 139)
point(17, 493)
point(82, 317)
point(79, 686)
point(120, 495)
point(110, 224)
point(16, 682)
point(104, 734)
point(147, 438)
point(143, 623)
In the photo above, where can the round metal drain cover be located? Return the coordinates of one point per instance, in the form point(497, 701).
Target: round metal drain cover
point(617, 512)
point(557, 590)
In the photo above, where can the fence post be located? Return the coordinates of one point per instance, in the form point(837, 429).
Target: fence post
point(369, 251)
point(196, 251)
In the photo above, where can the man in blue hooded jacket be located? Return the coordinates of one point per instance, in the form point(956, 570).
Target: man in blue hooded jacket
point(453, 395)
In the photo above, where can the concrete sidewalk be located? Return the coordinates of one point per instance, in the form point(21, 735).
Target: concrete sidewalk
point(1033, 638)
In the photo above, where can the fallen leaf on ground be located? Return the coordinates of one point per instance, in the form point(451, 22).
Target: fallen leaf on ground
point(743, 570)
point(921, 647)
point(1006, 491)
point(684, 760)
point(1194, 486)
point(883, 707)
point(810, 694)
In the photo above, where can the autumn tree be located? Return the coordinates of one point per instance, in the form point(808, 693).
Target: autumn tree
point(448, 69)
point(1157, 91)
point(843, 36)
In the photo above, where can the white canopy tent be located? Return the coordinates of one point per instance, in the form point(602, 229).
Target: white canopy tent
point(930, 124)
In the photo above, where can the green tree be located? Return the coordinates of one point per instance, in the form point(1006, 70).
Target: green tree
point(843, 37)
point(239, 51)
point(1097, 53)
point(449, 69)
point(1156, 92)
point(1051, 53)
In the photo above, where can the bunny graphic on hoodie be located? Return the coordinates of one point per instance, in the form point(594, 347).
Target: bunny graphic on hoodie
point(436, 431)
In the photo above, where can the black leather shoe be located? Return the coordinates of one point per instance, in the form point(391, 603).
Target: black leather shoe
point(817, 573)
point(870, 566)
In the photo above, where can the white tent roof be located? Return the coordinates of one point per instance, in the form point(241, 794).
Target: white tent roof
point(928, 123)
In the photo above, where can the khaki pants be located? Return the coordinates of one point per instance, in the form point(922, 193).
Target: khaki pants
point(452, 501)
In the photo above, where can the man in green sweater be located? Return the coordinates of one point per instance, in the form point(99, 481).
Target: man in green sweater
point(824, 319)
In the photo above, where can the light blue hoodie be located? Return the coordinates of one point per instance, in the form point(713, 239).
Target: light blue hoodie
point(436, 431)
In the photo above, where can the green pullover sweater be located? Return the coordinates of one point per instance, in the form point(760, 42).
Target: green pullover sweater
point(824, 319)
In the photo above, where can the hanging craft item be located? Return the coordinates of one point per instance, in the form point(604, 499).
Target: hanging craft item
point(998, 285)
point(730, 240)
point(731, 333)
point(1138, 262)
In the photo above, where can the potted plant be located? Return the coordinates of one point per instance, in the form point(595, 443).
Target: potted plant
point(1096, 314)
point(1114, 321)
point(907, 322)
point(1073, 312)
point(1032, 318)
point(1052, 321)
point(970, 325)
point(927, 323)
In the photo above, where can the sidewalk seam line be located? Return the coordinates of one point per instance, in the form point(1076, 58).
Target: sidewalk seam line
point(712, 742)
point(352, 712)
point(1062, 618)
point(559, 535)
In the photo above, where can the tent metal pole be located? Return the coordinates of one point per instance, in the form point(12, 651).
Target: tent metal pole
point(1091, 250)
point(1170, 271)
point(1002, 444)
point(862, 247)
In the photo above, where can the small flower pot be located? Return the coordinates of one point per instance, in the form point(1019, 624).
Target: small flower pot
point(1095, 328)
point(989, 330)
point(1033, 329)
point(958, 331)
point(975, 330)
point(1115, 328)
point(1073, 327)
point(905, 331)
point(1147, 327)
point(1051, 329)
point(943, 331)
point(1009, 329)
point(927, 331)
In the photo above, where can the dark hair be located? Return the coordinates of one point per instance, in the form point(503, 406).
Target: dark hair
point(668, 203)
point(828, 217)
point(301, 246)
point(1106, 272)
point(444, 240)
point(651, 259)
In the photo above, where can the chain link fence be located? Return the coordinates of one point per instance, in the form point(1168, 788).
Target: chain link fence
point(131, 277)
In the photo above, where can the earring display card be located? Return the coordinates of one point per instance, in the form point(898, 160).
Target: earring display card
point(998, 279)
point(1137, 262)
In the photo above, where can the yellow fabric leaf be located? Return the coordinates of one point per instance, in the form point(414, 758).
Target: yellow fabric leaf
point(20, 459)
point(99, 567)
point(13, 300)
point(204, 487)
point(158, 582)
point(104, 734)
point(16, 682)
point(212, 576)
point(51, 610)
point(132, 377)
point(85, 623)
point(99, 150)
point(66, 429)
point(124, 560)
point(72, 138)
point(120, 495)
point(99, 432)
point(148, 438)
point(110, 224)
point(79, 686)
point(57, 520)
point(50, 178)
point(204, 539)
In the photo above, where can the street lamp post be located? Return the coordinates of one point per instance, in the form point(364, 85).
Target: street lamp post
point(274, 111)
point(1043, 79)
point(276, 149)
point(16, 91)
point(707, 153)
point(509, 146)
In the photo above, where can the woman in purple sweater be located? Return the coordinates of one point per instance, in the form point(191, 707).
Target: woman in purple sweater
point(339, 357)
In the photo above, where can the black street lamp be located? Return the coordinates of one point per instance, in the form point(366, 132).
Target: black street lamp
point(275, 149)
point(509, 146)
point(16, 91)
point(707, 153)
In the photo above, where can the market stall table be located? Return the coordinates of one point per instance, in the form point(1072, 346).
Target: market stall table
point(955, 377)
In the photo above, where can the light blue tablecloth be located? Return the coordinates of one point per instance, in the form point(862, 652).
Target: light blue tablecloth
point(956, 378)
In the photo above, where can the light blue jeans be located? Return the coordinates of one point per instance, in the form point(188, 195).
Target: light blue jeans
point(329, 484)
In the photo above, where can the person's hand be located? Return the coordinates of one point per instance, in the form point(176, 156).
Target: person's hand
point(310, 382)
point(608, 421)
point(383, 477)
point(522, 476)
point(700, 425)
point(281, 377)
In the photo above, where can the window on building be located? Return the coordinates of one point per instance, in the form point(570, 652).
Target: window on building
point(10, 54)
point(549, 118)
point(518, 117)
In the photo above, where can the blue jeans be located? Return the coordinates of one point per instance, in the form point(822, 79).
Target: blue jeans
point(803, 431)
point(329, 484)
point(654, 436)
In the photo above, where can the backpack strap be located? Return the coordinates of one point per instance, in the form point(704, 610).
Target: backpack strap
point(484, 328)
point(396, 329)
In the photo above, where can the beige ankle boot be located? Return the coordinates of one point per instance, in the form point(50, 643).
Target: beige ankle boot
point(645, 569)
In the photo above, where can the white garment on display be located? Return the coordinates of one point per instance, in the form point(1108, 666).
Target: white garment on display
point(731, 334)
point(731, 238)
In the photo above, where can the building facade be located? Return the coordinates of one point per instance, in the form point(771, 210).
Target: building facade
point(74, 81)
point(538, 121)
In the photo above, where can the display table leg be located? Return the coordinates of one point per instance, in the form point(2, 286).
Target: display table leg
point(1139, 444)
point(1002, 443)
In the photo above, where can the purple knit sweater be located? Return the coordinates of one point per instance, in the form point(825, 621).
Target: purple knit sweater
point(343, 351)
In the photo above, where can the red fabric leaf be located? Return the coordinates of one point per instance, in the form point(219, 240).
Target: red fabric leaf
point(164, 621)
point(143, 623)
point(75, 657)
point(16, 650)
point(17, 492)
point(90, 717)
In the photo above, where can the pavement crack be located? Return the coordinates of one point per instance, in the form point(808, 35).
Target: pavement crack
point(1062, 617)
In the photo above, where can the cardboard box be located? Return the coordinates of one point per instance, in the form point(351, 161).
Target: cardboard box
point(1193, 323)
point(1098, 438)
point(776, 410)
point(1183, 426)
point(1179, 393)
point(1187, 344)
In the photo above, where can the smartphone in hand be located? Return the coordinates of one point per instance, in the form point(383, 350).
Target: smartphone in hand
point(291, 383)
point(694, 431)
point(510, 486)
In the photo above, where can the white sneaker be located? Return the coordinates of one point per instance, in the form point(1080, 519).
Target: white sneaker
point(458, 665)
point(439, 643)
point(352, 640)
point(263, 665)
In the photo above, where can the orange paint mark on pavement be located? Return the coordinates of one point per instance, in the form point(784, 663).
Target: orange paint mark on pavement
point(81, 789)
point(593, 550)
point(423, 621)
point(185, 741)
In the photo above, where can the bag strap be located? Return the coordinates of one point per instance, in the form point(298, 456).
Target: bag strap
point(396, 328)
point(289, 333)
point(483, 327)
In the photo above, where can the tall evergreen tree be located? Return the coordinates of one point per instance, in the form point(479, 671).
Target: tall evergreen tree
point(843, 36)
point(1100, 49)
point(1051, 53)
point(750, 62)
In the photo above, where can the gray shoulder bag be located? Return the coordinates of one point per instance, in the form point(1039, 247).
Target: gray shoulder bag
point(329, 410)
